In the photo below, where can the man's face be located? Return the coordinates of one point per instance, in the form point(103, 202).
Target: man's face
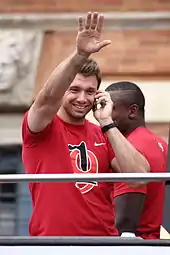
point(121, 111)
point(79, 98)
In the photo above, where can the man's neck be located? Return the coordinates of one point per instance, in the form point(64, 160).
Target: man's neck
point(135, 125)
point(69, 119)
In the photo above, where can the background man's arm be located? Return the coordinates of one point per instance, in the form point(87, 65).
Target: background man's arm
point(128, 208)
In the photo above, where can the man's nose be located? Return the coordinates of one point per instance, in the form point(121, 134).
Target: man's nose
point(81, 97)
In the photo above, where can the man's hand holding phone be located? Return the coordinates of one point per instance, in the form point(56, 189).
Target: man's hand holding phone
point(103, 107)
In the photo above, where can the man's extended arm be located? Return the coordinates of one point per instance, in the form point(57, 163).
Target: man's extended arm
point(48, 100)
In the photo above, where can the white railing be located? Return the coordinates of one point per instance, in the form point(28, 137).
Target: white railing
point(102, 177)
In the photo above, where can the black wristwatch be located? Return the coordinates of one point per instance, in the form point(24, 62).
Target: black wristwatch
point(107, 127)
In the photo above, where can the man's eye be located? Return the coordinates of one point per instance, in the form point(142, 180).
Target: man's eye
point(91, 92)
point(74, 90)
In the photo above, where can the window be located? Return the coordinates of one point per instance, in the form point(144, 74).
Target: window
point(9, 162)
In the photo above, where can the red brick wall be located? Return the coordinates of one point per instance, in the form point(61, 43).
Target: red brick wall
point(143, 53)
point(83, 6)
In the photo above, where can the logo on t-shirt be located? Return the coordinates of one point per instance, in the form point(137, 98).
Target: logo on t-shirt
point(161, 146)
point(83, 161)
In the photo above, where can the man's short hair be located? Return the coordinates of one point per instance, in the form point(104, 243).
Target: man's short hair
point(90, 68)
point(134, 94)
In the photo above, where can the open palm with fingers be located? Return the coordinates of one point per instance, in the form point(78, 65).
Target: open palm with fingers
point(89, 34)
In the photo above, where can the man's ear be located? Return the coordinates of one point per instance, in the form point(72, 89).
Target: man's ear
point(132, 111)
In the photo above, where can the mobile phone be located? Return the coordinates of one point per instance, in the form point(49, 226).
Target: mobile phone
point(97, 105)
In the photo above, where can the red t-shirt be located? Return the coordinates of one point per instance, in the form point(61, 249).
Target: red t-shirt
point(155, 151)
point(69, 209)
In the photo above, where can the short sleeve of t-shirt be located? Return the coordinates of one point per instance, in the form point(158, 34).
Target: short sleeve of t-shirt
point(31, 139)
point(122, 188)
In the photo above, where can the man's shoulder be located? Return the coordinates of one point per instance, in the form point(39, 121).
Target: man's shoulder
point(31, 139)
point(25, 119)
point(142, 138)
point(139, 134)
point(152, 137)
point(147, 140)
point(144, 134)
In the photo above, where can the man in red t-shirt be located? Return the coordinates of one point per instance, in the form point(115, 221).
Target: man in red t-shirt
point(58, 139)
point(138, 211)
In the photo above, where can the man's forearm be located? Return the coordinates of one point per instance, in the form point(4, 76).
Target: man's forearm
point(128, 158)
point(128, 209)
point(61, 78)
